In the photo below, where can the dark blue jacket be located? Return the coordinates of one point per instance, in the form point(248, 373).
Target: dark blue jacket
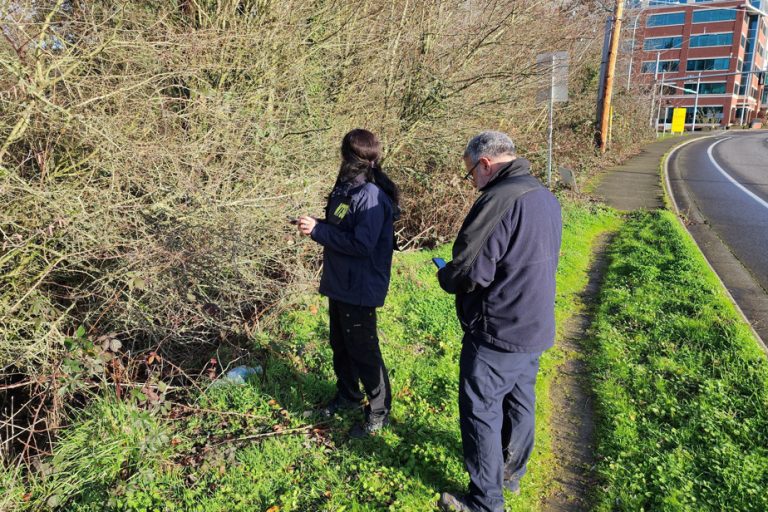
point(358, 240)
point(504, 263)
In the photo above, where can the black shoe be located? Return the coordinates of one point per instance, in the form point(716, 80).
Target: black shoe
point(512, 486)
point(372, 425)
point(449, 502)
point(339, 404)
point(512, 482)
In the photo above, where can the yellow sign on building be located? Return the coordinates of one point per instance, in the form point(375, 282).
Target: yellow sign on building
point(678, 120)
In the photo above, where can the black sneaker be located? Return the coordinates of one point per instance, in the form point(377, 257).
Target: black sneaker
point(512, 486)
point(372, 425)
point(450, 503)
point(512, 482)
point(339, 404)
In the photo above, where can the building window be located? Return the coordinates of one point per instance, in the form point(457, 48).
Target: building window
point(666, 19)
point(705, 115)
point(709, 15)
point(743, 40)
point(706, 88)
point(712, 40)
point(719, 64)
point(667, 90)
point(664, 66)
point(741, 112)
point(663, 43)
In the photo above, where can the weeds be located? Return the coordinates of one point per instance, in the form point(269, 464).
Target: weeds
point(263, 444)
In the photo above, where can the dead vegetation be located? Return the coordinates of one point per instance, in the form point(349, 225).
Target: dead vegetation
point(150, 153)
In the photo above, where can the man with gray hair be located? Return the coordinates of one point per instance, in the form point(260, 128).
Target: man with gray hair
point(503, 275)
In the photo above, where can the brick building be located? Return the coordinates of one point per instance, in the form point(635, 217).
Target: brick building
point(718, 47)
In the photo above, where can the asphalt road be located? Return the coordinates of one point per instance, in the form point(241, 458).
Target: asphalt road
point(727, 180)
point(721, 185)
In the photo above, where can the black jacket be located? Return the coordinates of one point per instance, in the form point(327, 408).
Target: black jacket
point(357, 237)
point(504, 263)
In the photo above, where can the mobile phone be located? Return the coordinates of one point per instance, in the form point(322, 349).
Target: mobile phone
point(293, 221)
point(439, 262)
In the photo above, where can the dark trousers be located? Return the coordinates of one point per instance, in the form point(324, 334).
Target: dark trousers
point(497, 415)
point(357, 356)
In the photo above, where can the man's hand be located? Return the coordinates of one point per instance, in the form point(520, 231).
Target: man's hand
point(306, 224)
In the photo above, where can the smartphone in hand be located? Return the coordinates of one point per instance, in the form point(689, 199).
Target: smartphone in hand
point(293, 221)
point(439, 262)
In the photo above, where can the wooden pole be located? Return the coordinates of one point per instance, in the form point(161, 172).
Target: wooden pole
point(609, 75)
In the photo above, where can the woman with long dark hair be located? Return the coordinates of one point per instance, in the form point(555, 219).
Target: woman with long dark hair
point(357, 236)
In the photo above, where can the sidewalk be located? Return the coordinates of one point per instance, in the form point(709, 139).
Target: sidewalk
point(637, 182)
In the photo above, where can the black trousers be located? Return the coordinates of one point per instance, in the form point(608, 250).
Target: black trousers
point(497, 402)
point(357, 356)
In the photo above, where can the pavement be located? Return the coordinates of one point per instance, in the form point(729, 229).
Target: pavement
point(637, 184)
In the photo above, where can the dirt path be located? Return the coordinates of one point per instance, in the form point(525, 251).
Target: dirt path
point(573, 422)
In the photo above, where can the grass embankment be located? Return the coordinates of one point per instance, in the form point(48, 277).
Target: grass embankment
point(682, 385)
point(118, 457)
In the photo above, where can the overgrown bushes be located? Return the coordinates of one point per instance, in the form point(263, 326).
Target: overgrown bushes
point(150, 153)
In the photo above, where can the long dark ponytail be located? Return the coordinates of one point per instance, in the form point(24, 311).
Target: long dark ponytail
point(361, 153)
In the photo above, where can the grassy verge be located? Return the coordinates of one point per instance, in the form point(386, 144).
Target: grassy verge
point(123, 458)
point(681, 383)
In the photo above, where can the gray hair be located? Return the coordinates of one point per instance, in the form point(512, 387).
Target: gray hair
point(489, 144)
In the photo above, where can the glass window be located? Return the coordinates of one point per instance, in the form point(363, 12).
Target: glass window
point(711, 40)
point(709, 15)
point(664, 65)
point(720, 64)
point(663, 43)
point(705, 115)
point(663, 20)
point(706, 88)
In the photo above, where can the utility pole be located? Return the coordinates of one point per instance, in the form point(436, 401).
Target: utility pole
point(610, 72)
point(601, 80)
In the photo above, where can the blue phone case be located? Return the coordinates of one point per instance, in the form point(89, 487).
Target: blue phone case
point(439, 262)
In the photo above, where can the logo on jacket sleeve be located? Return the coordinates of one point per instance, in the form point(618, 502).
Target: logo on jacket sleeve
point(341, 211)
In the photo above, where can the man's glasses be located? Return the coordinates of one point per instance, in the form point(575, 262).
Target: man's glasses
point(469, 174)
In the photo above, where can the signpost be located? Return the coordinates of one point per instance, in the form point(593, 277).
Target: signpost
point(556, 91)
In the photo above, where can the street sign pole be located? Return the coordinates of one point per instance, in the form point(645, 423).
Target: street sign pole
point(696, 104)
point(551, 122)
point(556, 91)
point(661, 101)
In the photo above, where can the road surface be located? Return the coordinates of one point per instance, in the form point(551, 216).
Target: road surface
point(721, 185)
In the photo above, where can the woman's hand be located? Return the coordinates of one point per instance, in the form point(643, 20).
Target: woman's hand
point(307, 224)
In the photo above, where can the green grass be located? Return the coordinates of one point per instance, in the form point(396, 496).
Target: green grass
point(682, 385)
point(195, 468)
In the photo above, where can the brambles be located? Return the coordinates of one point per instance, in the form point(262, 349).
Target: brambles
point(150, 152)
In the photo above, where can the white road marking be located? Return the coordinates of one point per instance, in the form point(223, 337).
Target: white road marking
point(730, 178)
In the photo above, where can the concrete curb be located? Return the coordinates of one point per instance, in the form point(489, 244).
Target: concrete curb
point(669, 196)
